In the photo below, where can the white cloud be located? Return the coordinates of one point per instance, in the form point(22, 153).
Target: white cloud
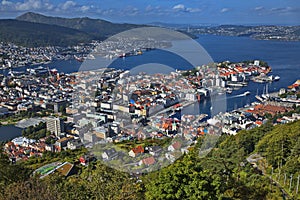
point(68, 4)
point(129, 11)
point(149, 8)
point(84, 8)
point(258, 8)
point(224, 10)
point(283, 9)
point(28, 5)
point(193, 10)
point(6, 3)
point(48, 6)
point(179, 7)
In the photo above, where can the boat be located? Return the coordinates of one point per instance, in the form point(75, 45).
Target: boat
point(258, 80)
point(229, 90)
point(221, 92)
point(265, 95)
point(91, 57)
point(259, 98)
point(234, 84)
point(276, 78)
point(247, 93)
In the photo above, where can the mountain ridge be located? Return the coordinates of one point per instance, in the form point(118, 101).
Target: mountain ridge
point(34, 30)
point(98, 28)
point(35, 34)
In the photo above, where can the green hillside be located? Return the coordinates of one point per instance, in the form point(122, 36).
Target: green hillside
point(35, 34)
point(33, 30)
point(99, 29)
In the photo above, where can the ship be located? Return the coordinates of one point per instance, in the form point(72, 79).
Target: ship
point(234, 84)
point(274, 78)
point(15, 73)
point(266, 95)
point(247, 93)
point(259, 98)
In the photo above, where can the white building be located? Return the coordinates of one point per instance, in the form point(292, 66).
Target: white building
point(55, 125)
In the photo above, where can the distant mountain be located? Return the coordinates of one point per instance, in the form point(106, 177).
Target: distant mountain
point(99, 29)
point(33, 29)
point(262, 32)
point(34, 34)
point(181, 26)
point(168, 25)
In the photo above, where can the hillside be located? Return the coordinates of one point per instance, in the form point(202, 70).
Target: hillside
point(225, 173)
point(33, 30)
point(99, 29)
point(35, 34)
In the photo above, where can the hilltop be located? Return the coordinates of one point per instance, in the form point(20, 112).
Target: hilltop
point(34, 34)
point(98, 28)
point(32, 30)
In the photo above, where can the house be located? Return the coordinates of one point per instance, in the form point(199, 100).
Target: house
point(74, 144)
point(84, 160)
point(154, 150)
point(135, 151)
point(109, 154)
point(61, 143)
point(175, 146)
point(147, 161)
point(49, 147)
point(90, 137)
point(170, 156)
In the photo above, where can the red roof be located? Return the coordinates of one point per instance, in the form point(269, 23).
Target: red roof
point(149, 161)
point(258, 122)
point(138, 149)
point(176, 145)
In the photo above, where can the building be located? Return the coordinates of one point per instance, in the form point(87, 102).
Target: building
point(154, 150)
point(74, 144)
point(109, 154)
point(3, 110)
point(66, 169)
point(55, 125)
point(175, 146)
point(90, 137)
point(59, 105)
point(136, 151)
point(147, 161)
point(61, 143)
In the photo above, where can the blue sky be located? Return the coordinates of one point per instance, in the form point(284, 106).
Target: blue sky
point(169, 11)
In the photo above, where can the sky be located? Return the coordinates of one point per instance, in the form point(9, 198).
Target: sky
point(198, 12)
